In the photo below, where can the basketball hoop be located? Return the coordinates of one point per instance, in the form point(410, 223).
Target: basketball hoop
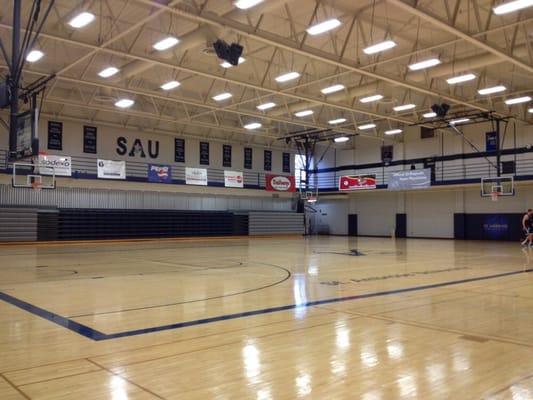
point(495, 196)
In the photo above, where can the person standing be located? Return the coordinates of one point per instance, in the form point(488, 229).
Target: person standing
point(527, 224)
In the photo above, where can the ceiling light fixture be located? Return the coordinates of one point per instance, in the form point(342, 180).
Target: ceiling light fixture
point(337, 121)
point(517, 100)
point(289, 76)
point(341, 139)
point(459, 121)
point(530, 111)
point(492, 90)
point(424, 64)
point(107, 72)
point(34, 55)
point(460, 79)
point(511, 6)
point(246, 4)
point(226, 64)
point(252, 125)
point(430, 115)
point(370, 99)
point(393, 132)
point(222, 96)
point(379, 47)
point(170, 85)
point(124, 103)
point(366, 126)
point(404, 107)
point(266, 106)
point(304, 113)
point(322, 27)
point(82, 19)
point(166, 43)
point(332, 89)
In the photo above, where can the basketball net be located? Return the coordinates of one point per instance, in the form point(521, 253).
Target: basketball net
point(37, 186)
point(495, 196)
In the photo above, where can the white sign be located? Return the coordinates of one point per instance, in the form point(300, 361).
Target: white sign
point(196, 176)
point(233, 179)
point(109, 169)
point(55, 165)
point(410, 179)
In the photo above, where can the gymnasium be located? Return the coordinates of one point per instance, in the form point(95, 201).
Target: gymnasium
point(266, 199)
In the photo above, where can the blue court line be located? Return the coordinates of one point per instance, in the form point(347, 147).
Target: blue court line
point(98, 336)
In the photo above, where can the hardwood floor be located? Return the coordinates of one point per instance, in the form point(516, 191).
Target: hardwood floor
point(268, 318)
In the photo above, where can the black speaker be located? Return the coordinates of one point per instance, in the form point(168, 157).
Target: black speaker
point(230, 53)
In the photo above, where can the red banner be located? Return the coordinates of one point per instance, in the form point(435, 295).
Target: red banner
point(280, 183)
point(357, 182)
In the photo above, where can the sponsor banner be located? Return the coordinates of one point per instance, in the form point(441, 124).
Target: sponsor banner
point(412, 179)
point(109, 169)
point(55, 165)
point(280, 183)
point(196, 176)
point(159, 173)
point(360, 182)
point(234, 179)
point(55, 135)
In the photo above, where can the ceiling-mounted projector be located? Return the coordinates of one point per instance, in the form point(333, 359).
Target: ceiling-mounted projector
point(228, 52)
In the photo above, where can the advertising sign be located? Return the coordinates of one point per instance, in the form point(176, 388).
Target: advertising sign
point(159, 173)
point(58, 165)
point(109, 169)
point(360, 182)
point(412, 179)
point(234, 179)
point(280, 183)
point(196, 176)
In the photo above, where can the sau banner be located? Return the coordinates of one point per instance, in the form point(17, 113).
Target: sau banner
point(412, 179)
point(280, 183)
point(55, 165)
point(233, 179)
point(159, 173)
point(109, 169)
point(196, 176)
point(357, 182)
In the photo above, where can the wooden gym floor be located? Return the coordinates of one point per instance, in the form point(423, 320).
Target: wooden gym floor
point(271, 318)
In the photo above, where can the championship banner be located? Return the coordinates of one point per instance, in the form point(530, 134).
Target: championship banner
point(233, 179)
point(196, 176)
point(109, 169)
point(411, 179)
point(360, 182)
point(280, 183)
point(159, 173)
point(55, 165)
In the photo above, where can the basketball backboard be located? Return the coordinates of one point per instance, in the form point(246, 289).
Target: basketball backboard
point(33, 176)
point(501, 186)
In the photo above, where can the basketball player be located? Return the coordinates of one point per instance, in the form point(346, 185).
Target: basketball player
point(527, 224)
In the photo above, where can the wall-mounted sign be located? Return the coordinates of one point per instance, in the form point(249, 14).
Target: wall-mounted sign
point(411, 179)
point(159, 173)
point(491, 141)
point(179, 150)
point(109, 169)
point(268, 160)
point(387, 153)
point(226, 155)
point(248, 157)
point(204, 153)
point(360, 182)
point(55, 165)
point(138, 148)
point(234, 179)
point(55, 135)
point(89, 139)
point(280, 183)
point(196, 176)
point(287, 162)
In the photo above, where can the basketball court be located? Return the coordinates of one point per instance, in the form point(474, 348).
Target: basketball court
point(266, 200)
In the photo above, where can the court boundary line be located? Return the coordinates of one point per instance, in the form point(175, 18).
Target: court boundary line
point(96, 335)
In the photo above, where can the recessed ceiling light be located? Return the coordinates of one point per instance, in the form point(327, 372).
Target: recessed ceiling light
point(393, 132)
point(287, 77)
point(246, 4)
point(166, 43)
point(404, 107)
point(518, 100)
point(226, 64)
point(124, 103)
point(222, 96)
point(366, 126)
point(378, 47)
point(424, 64)
point(304, 113)
point(460, 79)
point(82, 19)
point(341, 139)
point(332, 89)
point(34, 55)
point(512, 6)
point(491, 90)
point(252, 125)
point(370, 99)
point(323, 26)
point(337, 121)
point(170, 85)
point(429, 115)
point(266, 106)
point(107, 72)
point(459, 121)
